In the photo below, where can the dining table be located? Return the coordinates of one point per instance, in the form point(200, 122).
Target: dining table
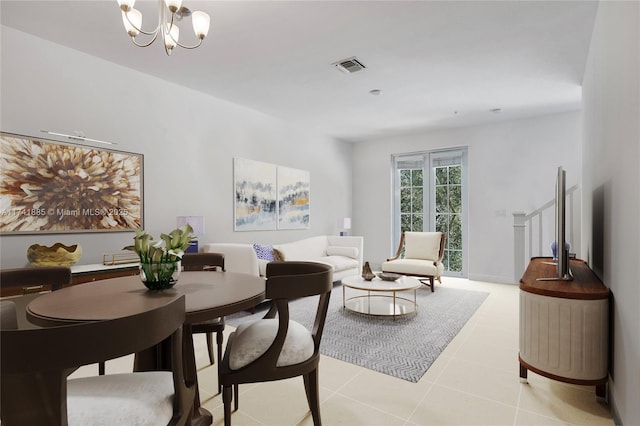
point(208, 295)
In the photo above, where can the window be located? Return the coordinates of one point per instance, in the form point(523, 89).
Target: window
point(411, 200)
point(430, 194)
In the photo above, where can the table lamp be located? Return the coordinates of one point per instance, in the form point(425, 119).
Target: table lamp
point(344, 225)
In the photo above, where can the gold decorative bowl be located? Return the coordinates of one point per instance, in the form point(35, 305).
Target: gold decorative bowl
point(56, 255)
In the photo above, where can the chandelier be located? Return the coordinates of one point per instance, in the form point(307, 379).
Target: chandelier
point(170, 11)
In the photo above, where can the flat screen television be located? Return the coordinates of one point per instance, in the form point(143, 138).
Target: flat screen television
point(561, 243)
point(561, 247)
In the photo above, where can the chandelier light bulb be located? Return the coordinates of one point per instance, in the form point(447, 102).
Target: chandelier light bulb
point(169, 13)
point(126, 5)
point(201, 22)
point(132, 21)
point(171, 38)
point(173, 5)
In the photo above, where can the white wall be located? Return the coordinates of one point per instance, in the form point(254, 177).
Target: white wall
point(611, 99)
point(511, 166)
point(188, 154)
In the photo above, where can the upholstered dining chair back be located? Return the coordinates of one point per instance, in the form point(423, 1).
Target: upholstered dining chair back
point(27, 283)
point(419, 254)
point(280, 348)
point(38, 278)
point(35, 364)
point(202, 261)
point(207, 262)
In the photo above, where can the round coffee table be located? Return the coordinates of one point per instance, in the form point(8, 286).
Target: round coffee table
point(381, 297)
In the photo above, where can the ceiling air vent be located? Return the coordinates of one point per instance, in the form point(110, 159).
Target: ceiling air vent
point(349, 65)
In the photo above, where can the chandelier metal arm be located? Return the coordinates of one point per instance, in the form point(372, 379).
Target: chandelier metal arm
point(154, 33)
point(168, 34)
point(133, 39)
point(166, 25)
point(187, 47)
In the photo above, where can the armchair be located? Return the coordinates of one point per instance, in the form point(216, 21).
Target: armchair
point(419, 254)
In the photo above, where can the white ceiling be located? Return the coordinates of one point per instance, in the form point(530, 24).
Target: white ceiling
point(437, 63)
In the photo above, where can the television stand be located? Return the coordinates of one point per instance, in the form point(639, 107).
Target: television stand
point(564, 325)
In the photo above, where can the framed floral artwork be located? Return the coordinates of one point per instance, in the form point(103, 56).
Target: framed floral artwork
point(53, 187)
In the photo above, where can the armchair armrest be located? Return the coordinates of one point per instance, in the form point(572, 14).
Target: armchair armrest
point(399, 251)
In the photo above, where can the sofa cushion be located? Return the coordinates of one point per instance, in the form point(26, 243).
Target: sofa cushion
point(278, 255)
point(338, 263)
point(413, 267)
point(342, 251)
point(306, 249)
point(263, 252)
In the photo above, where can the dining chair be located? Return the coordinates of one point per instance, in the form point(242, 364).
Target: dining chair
point(274, 349)
point(419, 254)
point(35, 364)
point(8, 315)
point(37, 279)
point(207, 262)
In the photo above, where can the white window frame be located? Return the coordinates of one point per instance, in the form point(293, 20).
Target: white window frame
point(427, 159)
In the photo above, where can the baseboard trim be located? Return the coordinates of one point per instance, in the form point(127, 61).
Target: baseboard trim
point(491, 279)
point(615, 415)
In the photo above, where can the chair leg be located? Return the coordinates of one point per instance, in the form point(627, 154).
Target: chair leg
point(219, 340)
point(101, 368)
point(311, 388)
point(235, 397)
point(226, 398)
point(210, 348)
point(431, 284)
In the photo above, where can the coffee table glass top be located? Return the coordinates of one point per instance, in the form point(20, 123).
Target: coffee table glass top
point(381, 297)
point(403, 283)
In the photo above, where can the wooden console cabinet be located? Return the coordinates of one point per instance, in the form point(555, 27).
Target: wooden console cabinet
point(88, 273)
point(79, 274)
point(564, 325)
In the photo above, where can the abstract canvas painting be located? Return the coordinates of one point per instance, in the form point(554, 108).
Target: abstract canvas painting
point(293, 198)
point(255, 195)
point(49, 186)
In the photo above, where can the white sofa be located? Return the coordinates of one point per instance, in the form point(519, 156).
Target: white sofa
point(343, 254)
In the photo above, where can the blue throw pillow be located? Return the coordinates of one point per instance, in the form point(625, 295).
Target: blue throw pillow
point(264, 252)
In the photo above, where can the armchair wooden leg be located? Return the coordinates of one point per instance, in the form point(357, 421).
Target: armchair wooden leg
point(428, 282)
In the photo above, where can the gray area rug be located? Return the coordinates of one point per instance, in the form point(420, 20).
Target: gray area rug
point(404, 348)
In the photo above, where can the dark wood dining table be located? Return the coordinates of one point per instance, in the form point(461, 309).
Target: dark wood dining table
point(208, 295)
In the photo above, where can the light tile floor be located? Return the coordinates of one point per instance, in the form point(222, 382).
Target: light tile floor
point(473, 382)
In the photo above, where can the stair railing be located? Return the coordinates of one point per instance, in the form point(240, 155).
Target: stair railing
point(532, 230)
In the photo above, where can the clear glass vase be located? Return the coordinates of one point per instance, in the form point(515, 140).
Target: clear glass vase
point(160, 275)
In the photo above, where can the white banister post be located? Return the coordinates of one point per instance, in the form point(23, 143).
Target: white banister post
point(518, 245)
